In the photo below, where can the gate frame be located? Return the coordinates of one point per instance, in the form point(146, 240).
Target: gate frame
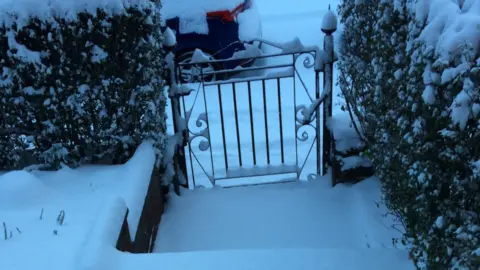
point(324, 60)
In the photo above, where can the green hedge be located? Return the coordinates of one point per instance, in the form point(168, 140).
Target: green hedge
point(418, 102)
point(83, 90)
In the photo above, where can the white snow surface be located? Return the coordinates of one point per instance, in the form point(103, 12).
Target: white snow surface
point(355, 162)
point(293, 221)
point(94, 199)
point(251, 50)
point(329, 21)
point(283, 226)
point(199, 56)
point(451, 30)
point(98, 54)
point(346, 137)
point(449, 27)
point(138, 171)
point(249, 24)
point(22, 51)
point(193, 23)
point(169, 38)
point(103, 235)
point(274, 259)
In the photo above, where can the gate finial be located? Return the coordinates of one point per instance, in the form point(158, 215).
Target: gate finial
point(329, 23)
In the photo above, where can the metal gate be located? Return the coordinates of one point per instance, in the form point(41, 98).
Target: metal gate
point(235, 142)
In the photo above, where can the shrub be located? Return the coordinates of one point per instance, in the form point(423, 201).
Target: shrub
point(418, 105)
point(81, 80)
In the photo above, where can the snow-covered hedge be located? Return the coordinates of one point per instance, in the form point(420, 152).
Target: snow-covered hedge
point(81, 81)
point(411, 73)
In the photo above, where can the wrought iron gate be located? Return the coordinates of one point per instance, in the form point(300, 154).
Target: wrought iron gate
point(308, 127)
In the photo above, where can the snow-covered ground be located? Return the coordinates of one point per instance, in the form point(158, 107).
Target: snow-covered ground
point(274, 259)
point(31, 204)
point(297, 215)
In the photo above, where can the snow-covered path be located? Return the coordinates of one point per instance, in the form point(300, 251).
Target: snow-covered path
point(291, 215)
point(302, 221)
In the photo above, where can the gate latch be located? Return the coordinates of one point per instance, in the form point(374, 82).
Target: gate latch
point(179, 91)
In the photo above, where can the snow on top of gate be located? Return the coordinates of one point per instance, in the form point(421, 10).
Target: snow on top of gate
point(294, 46)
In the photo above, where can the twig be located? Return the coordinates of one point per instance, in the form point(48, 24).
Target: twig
point(394, 226)
point(41, 214)
point(61, 217)
point(354, 123)
point(5, 230)
point(350, 113)
point(18, 230)
point(12, 131)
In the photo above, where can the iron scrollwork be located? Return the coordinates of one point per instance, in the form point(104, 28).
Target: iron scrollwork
point(300, 110)
point(303, 125)
point(202, 123)
point(307, 61)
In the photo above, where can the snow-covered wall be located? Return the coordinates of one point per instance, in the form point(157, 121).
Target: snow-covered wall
point(101, 241)
point(138, 172)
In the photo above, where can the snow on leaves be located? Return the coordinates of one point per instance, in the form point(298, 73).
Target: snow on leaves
point(72, 94)
point(413, 82)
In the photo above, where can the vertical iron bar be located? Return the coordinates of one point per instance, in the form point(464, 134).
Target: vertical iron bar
point(266, 121)
point(251, 123)
point(236, 124)
point(317, 124)
point(326, 135)
point(175, 131)
point(189, 145)
point(179, 157)
point(280, 120)
point(174, 117)
point(223, 126)
point(208, 123)
point(295, 115)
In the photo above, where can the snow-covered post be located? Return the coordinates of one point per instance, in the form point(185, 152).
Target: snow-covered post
point(169, 43)
point(179, 126)
point(329, 26)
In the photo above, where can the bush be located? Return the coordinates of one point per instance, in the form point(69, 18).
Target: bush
point(415, 90)
point(81, 81)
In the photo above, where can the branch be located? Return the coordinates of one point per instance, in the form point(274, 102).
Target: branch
point(354, 123)
point(349, 108)
point(18, 131)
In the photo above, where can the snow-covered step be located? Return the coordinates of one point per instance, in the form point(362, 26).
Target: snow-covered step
point(354, 162)
point(275, 259)
point(352, 168)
